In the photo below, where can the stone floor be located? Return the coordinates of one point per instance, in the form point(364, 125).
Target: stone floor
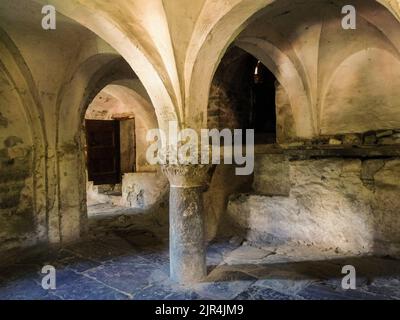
point(134, 265)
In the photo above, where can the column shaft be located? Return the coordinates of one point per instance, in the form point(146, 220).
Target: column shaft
point(187, 248)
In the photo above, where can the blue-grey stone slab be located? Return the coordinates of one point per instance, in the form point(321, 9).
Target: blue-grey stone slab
point(259, 293)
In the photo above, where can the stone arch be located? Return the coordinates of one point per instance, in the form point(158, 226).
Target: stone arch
point(158, 79)
point(90, 78)
point(230, 98)
point(210, 41)
point(69, 221)
point(133, 99)
point(130, 95)
point(287, 75)
point(16, 71)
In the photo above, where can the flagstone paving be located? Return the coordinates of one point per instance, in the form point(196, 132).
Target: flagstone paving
point(135, 265)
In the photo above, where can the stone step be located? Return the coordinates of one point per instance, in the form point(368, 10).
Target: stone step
point(109, 189)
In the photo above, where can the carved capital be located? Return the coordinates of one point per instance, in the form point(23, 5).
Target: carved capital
point(188, 176)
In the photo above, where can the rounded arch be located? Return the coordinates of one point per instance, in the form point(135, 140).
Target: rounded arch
point(146, 63)
point(286, 73)
point(95, 74)
point(90, 78)
point(131, 96)
point(125, 98)
point(231, 93)
point(208, 45)
point(213, 41)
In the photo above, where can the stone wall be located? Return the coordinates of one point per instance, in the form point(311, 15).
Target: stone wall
point(230, 94)
point(143, 190)
point(351, 205)
point(17, 216)
point(224, 183)
point(285, 127)
point(139, 190)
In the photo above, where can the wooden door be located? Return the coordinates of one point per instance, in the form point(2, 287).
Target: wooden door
point(128, 145)
point(103, 151)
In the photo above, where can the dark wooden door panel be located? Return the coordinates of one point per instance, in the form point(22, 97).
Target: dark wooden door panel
point(103, 151)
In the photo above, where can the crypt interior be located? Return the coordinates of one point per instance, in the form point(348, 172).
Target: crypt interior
point(77, 191)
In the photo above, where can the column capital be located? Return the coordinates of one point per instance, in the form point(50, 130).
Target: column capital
point(188, 176)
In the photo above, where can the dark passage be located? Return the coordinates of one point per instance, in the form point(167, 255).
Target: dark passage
point(263, 104)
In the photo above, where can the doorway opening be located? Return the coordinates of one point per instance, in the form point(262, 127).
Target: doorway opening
point(110, 152)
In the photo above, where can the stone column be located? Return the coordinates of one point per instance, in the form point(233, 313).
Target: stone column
point(187, 244)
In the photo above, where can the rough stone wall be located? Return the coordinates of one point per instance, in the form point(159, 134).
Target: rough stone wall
point(349, 204)
point(225, 107)
point(17, 214)
point(17, 219)
point(220, 112)
point(230, 92)
point(143, 190)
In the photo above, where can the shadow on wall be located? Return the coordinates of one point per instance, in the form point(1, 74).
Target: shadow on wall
point(224, 183)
